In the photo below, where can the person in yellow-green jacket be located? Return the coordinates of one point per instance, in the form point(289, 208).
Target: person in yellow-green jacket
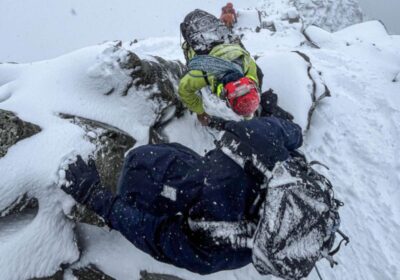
point(215, 62)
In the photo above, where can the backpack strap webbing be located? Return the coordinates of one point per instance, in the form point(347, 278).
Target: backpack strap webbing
point(206, 78)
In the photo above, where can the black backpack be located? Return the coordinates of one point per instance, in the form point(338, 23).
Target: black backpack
point(299, 221)
point(202, 31)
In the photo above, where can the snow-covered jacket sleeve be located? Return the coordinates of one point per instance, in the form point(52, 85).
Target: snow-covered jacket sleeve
point(251, 69)
point(166, 238)
point(189, 85)
point(270, 139)
point(291, 133)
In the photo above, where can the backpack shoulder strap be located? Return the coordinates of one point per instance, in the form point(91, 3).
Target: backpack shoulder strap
point(213, 65)
point(206, 78)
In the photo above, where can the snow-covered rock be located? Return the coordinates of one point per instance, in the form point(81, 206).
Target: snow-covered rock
point(248, 19)
point(304, 87)
point(111, 146)
point(331, 15)
point(82, 102)
point(13, 129)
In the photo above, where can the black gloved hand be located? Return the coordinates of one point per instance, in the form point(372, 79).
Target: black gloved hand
point(217, 123)
point(82, 179)
point(269, 106)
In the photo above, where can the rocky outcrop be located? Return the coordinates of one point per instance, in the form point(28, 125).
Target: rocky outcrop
point(165, 76)
point(13, 129)
point(156, 77)
point(316, 97)
point(20, 204)
point(111, 146)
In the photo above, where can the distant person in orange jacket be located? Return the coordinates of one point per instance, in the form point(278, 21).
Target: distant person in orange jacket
point(228, 15)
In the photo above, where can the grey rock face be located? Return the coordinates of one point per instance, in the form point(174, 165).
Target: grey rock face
point(156, 76)
point(164, 76)
point(91, 272)
point(160, 75)
point(111, 146)
point(20, 204)
point(13, 129)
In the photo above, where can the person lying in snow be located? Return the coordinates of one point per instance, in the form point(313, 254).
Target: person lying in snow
point(218, 61)
point(251, 199)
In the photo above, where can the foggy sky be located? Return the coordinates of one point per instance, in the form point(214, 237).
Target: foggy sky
point(386, 10)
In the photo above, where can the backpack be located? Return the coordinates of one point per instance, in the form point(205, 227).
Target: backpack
point(225, 71)
point(298, 223)
point(203, 31)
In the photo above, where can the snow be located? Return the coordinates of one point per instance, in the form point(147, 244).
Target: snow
point(72, 84)
point(288, 66)
point(355, 131)
point(248, 19)
point(169, 192)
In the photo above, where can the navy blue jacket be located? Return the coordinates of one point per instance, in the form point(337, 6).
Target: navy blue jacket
point(161, 186)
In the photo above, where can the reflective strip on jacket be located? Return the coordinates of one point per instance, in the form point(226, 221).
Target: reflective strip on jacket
point(194, 81)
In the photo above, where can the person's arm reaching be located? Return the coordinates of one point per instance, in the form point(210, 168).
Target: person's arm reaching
point(251, 70)
point(189, 85)
point(291, 132)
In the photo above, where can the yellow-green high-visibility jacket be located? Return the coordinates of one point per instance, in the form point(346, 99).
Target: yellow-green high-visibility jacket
point(194, 81)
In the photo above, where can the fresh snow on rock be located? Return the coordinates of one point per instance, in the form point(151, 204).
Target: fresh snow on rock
point(355, 132)
point(331, 15)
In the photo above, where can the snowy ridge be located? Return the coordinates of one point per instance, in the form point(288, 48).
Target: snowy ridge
point(359, 133)
point(355, 132)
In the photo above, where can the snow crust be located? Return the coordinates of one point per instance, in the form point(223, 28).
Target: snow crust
point(355, 132)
